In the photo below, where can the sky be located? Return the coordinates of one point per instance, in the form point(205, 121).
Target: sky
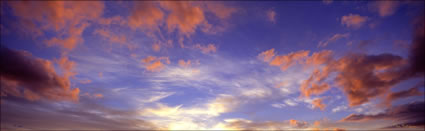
point(221, 65)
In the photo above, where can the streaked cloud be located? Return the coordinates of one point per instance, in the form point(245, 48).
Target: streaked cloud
point(333, 39)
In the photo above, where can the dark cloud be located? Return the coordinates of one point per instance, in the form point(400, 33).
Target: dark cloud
point(23, 75)
point(363, 77)
point(417, 54)
point(408, 113)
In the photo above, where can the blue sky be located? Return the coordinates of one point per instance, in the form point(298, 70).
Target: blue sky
point(311, 65)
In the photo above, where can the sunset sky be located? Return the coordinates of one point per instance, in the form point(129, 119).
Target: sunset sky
point(222, 65)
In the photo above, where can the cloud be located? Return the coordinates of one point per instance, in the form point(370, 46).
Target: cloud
point(183, 17)
point(68, 19)
point(266, 56)
point(156, 47)
point(317, 103)
point(339, 108)
point(94, 96)
point(271, 16)
point(354, 21)
point(278, 105)
point(403, 94)
point(112, 37)
point(385, 7)
point(333, 39)
point(286, 61)
point(85, 81)
point(184, 64)
point(33, 78)
point(155, 64)
point(290, 102)
point(220, 10)
point(402, 114)
point(146, 15)
point(85, 115)
point(192, 117)
point(210, 48)
point(241, 124)
point(416, 54)
point(327, 2)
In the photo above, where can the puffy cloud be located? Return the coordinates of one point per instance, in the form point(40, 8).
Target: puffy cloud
point(353, 20)
point(286, 61)
point(184, 17)
point(271, 16)
point(210, 48)
point(407, 113)
point(146, 15)
point(155, 64)
point(67, 18)
point(220, 10)
point(317, 103)
point(333, 39)
point(33, 78)
point(182, 63)
point(318, 58)
point(385, 7)
point(266, 55)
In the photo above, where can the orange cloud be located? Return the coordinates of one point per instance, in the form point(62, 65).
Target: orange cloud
point(154, 64)
point(156, 47)
point(67, 66)
point(183, 16)
point(146, 15)
point(319, 58)
point(220, 10)
point(34, 78)
point(316, 123)
point(286, 61)
point(267, 55)
point(385, 7)
point(293, 122)
point(98, 95)
point(182, 63)
point(317, 103)
point(297, 124)
point(67, 18)
point(210, 48)
point(271, 15)
point(353, 20)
